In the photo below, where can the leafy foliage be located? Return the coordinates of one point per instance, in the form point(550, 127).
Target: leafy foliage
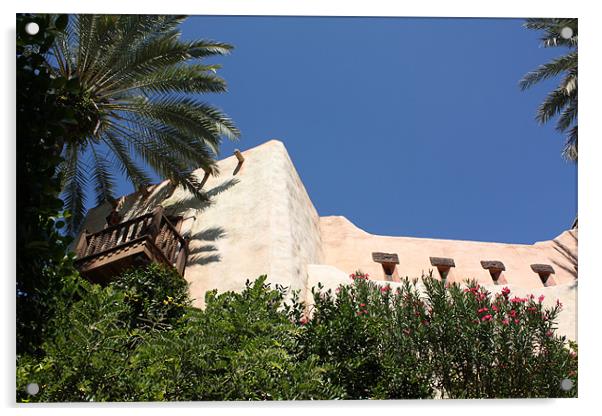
point(240, 347)
point(562, 101)
point(45, 275)
point(157, 297)
point(437, 341)
point(133, 78)
point(136, 340)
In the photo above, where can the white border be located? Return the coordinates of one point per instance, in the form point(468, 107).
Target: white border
point(589, 199)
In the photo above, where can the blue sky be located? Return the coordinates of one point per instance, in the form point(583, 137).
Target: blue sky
point(406, 126)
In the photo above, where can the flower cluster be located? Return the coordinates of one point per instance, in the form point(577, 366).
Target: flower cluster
point(385, 289)
point(363, 310)
point(479, 293)
point(359, 276)
point(507, 309)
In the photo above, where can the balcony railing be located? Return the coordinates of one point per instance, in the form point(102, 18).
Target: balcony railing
point(147, 238)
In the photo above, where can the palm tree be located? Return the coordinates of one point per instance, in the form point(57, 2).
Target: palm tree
point(562, 101)
point(133, 108)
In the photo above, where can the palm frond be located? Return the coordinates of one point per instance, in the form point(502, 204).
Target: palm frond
point(131, 31)
point(191, 151)
point(552, 28)
point(177, 78)
point(549, 70)
point(137, 176)
point(197, 119)
point(160, 158)
point(570, 147)
point(74, 186)
point(562, 101)
point(135, 72)
point(104, 180)
point(568, 116)
point(159, 53)
point(553, 104)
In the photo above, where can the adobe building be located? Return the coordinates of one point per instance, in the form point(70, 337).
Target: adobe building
point(261, 221)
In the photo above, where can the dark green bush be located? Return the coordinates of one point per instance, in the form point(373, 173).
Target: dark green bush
point(136, 340)
point(45, 274)
point(158, 297)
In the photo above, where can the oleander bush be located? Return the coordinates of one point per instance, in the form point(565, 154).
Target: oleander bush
point(427, 339)
point(138, 339)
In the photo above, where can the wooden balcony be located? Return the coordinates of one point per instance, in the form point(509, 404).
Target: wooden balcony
point(150, 238)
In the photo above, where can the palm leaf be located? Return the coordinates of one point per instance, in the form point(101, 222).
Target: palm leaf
point(550, 70)
point(103, 179)
point(136, 77)
point(74, 185)
point(570, 146)
point(562, 101)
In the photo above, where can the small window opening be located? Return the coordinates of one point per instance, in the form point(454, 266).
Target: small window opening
point(544, 271)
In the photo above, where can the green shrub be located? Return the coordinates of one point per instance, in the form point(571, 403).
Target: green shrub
point(241, 347)
point(130, 342)
point(157, 295)
point(138, 340)
point(442, 341)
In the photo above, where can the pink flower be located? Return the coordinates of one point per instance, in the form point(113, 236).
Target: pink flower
point(516, 299)
point(482, 310)
point(303, 320)
point(541, 298)
point(505, 291)
point(494, 308)
point(512, 313)
point(516, 321)
point(505, 322)
point(486, 318)
point(337, 290)
point(362, 305)
point(549, 333)
point(385, 289)
point(473, 289)
point(355, 276)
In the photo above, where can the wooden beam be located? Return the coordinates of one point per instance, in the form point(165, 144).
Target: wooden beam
point(542, 268)
point(379, 257)
point(442, 262)
point(493, 265)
